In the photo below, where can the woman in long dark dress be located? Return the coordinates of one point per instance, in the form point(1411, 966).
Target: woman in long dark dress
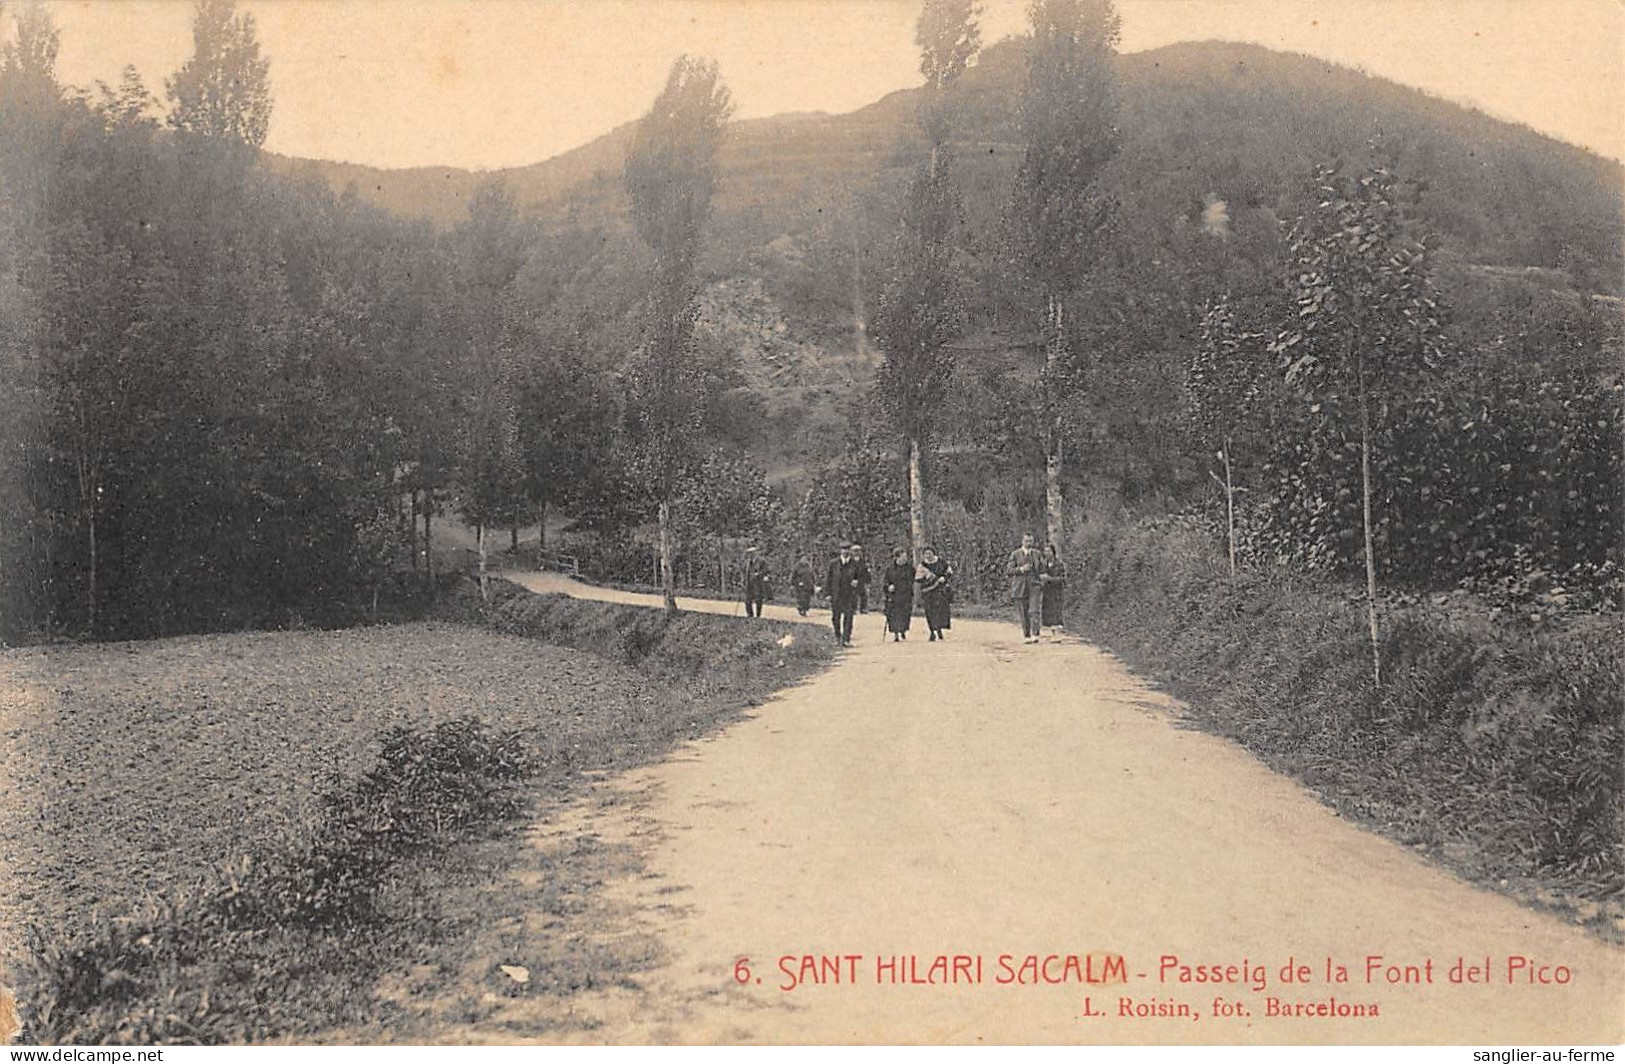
point(936, 593)
point(898, 583)
point(1054, 588)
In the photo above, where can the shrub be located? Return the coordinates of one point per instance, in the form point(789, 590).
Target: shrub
point(215, 965)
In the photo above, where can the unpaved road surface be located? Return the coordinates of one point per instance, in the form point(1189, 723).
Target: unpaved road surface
point(987, 799)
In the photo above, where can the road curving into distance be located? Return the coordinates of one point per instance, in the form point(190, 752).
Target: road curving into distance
point(980, 840)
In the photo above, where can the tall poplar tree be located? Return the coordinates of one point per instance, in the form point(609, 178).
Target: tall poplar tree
point(222, 94)
point(490, 249)
point(671, 177)
point(921, 309)
point(31, 114)
point(1367, 326)
point(1069, 124)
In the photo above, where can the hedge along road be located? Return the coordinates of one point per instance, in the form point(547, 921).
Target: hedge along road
point(985, 799)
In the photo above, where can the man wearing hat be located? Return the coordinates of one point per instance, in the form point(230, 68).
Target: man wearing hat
point(757, 585)
point(842, 588)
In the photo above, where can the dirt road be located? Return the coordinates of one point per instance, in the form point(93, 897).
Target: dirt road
point(984, 799)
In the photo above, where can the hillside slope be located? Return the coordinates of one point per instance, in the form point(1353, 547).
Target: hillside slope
point(1234, 120)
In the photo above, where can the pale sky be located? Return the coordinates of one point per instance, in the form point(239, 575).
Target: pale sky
point(497, 83)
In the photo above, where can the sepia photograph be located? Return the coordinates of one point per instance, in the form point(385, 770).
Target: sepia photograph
point(812, 522)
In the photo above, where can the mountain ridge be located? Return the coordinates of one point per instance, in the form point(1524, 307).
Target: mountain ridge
point(440, 192)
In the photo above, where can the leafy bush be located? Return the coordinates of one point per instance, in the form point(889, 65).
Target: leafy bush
point(428, 786)
point(1509, 487)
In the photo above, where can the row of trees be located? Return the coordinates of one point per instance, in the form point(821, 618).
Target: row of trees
point(1056, 219)
point(231, 397)
point(237, 398)
point(1370, 432)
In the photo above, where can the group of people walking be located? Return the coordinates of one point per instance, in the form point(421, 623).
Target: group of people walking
point(1037, 586)
point(846, 584)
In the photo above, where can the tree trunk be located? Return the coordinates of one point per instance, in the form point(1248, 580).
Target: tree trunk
point(916, 498)
point(1053, 449)
point(668, 584)
point(541, 525)
point(1054, 522)
point(411, 533)
point(412, 529)
point(50, 575)
point(722, 570)
point(428, 537)
point(1365, 499)
point(94, 619)
point(513, 542)
point(860, 324)
point(1229, 504)
point(479, 537)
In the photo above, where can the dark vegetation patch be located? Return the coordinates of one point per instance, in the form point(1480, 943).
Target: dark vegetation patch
point(272, 945)
point(1493, 744)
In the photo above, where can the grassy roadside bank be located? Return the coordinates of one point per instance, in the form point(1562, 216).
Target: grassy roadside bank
point(286, 777)
point(1494, 745)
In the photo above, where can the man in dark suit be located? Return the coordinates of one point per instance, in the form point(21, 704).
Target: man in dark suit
point(842, 586)
point(863, 578)
point(1026, 572)
point(756, 582)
